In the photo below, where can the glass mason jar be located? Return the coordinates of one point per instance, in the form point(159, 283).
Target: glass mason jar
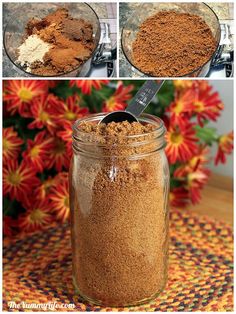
point(119, 215)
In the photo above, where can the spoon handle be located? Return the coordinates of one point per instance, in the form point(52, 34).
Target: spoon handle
point(143, 97)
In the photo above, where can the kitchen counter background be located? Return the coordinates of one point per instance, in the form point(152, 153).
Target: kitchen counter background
point(224, 12)
point(105, 11)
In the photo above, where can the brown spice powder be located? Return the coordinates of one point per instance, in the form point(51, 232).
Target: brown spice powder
point(72, 42)
point(172, 44)
point(119, 217)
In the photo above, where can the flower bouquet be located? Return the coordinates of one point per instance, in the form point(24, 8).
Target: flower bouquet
point(37, 136)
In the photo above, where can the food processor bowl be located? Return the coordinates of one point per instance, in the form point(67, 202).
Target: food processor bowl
point(15, 31)
point(145, 10)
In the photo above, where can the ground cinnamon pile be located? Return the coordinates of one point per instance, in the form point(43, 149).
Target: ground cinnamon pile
point(172, 44)
point(119, 226)
point(70, 43)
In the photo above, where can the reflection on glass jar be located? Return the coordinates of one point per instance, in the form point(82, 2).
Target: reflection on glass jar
point(119, 214)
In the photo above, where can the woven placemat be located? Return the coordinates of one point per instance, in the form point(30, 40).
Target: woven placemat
point(37, 269)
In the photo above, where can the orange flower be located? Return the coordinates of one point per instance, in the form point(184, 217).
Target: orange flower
point(183, 84)
point(196, 181)
point(207, 105)
point(59, 197)
point(11, 144)
point(69, 110)
point(18, 180)
point(19, 94)
point(179, 197)
point(181, 143)
point(203, 85)
point(199, 159)
point(37, 151)
point(194, 176)
point(37, 215)
point(44, 188)
point(118, 101)
point(87, 85)
point(61, 177)
point(199, 176)
point(182, 107)
point(41, 112)
point(59, 156)
point(225, 146)
point(66, 135)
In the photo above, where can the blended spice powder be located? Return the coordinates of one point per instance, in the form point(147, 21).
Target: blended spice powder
point(172, 44)
point(70, 43)
point(119, 215)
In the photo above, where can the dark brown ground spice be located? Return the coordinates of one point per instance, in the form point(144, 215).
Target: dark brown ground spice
point(172, 44)
point(119, 217)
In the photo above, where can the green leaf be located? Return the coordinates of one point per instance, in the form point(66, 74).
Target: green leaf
point(163, 98)
point(175, 183)
point(172, 168)
point(136, 84)
point(62, 90)
point(206, 134)
point(12, 208)
point(166, 94)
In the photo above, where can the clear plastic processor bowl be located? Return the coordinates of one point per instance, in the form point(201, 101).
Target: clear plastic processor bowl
point(15, 29)
point(145, 10)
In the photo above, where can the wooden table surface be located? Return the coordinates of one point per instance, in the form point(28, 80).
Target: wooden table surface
point(217, 199)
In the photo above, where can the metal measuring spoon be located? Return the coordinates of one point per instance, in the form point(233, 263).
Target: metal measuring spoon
point(137, 105)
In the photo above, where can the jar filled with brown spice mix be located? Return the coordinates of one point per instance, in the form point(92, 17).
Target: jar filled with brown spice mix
point(119, 184)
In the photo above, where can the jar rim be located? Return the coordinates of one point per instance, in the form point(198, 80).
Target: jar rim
point(144, 118)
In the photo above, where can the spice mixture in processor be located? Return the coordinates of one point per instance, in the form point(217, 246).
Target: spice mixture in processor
point(56, 44)
point(119, 214)
point(172, 44)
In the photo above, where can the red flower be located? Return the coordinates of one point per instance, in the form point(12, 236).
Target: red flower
point(181, 85)
point(179, 197)
point(37, 151)
point(87, 85)
point(196, 181)
point(165, 118)
point(66, 135)
point(44, 188)
point(8, 224)
point(181, 143)
point(69, 110)
point(225, 146)
point(182, 107)
point(200, 158)
point(59, 197)
point(19, 94)
point(118, 101)
point(37, 215)
point(18, 180)
point(207, 105)
point(59, 156)
point(194, 176)
point(41, 112)
point(11, 144)
point(52, 83)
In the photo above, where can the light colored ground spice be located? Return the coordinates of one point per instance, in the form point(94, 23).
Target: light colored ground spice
point(32, 50)
point(119, 216)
